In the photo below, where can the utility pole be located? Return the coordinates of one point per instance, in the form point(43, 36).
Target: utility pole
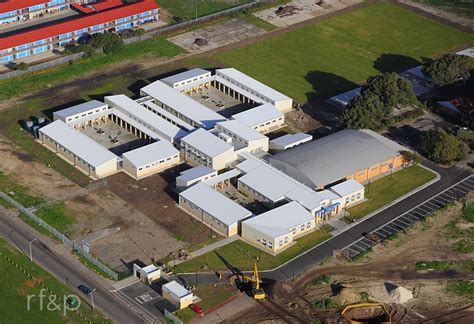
point(92, 298)
point(196, 9)
point(31, 252)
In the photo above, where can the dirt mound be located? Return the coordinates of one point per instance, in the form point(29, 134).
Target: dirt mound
point(200, 41)
point(347, 296)
point(400, 295)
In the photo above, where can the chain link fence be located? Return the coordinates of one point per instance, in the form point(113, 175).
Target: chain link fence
point(68, 243)
point(172, 317)
point(148, 35)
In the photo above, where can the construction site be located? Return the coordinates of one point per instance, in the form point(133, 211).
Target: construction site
point(399, 281)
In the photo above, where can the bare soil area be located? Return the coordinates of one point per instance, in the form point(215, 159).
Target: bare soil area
point(390, 263)
point(152, 197)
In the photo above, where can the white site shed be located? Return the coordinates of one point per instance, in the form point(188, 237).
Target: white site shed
point(276, 229)
point(150, 159)
point(213, 208)
point(177, 294)
point(147, 274)
point(78, 149)
point(287, 141)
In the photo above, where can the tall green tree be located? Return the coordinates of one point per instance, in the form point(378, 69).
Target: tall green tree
point(448, 69)
point(441, 147)
point(379, 96)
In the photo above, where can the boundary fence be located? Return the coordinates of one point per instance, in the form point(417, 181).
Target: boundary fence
point(68, 243)
point(151, 34)
point(172, 317)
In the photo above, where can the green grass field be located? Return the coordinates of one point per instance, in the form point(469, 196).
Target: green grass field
point(242, 255)
point(211, 296)
point(56, 216)
point(383, 191)
point(152, 48)
point(15, 286)
point(335, 55)
point(187, 9)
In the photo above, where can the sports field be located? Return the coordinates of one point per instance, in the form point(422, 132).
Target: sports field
point(16, 286)
point(326, 58)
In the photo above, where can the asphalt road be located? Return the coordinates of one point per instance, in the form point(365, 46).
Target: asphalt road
point(317, 255)
point(20, 235)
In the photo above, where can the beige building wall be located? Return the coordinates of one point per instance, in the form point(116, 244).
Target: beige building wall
point(181, 303)
point(221, 161)
point(152, 168)
point(270, 125)
point(257, 145)
point(284, 105)
point(208, 219)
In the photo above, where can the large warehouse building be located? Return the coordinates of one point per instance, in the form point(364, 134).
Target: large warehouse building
point(348, 154)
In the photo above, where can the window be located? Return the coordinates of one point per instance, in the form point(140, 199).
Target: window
point(41, 49)
point(38, 7)
point(6, 59)
point(22, 54)
point(67, 35)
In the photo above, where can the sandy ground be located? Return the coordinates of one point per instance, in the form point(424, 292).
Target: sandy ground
point(390, 263)
point(303, 10)
point(42, 181)
point(217, 35)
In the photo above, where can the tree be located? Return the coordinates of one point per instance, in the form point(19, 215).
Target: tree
point(441, 147)
point(410, 157)
point(448, 69)
point(22, 66)
point(378, 98)
point(109, 42)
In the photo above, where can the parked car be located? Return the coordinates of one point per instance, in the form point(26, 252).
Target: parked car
point(86, 290)
point(195, 307)
point(373, 237)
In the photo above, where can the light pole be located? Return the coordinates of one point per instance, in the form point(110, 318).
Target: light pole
point(31, 253)
point(92, 298)
point(196, 9)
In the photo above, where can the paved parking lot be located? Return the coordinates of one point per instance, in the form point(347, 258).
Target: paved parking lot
point(412, 216)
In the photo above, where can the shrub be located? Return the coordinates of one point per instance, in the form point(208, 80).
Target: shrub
point(22, 66)
point(321, 280)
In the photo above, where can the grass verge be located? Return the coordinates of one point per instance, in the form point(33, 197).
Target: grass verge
point(16, 286)
point(18, 192)
point(57, 217)
point(385, 190)
point(462, 288)
point(211, 296)
point(242, 255)
point(187, 10)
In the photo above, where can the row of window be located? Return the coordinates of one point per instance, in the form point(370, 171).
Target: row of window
point(353, 198)
point(86, 114)
point(256, 94)
point(158, 162)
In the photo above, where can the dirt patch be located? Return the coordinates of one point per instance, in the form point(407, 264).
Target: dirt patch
point(21, 291)
point(41, 180)
point(299, 121)
point(30, 283)
point(152, 197)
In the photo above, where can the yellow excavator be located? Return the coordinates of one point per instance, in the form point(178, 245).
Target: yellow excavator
point(257, 291)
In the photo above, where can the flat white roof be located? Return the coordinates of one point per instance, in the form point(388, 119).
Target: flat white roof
point(183, 76)
point(347, 187)
point(280, 220)
point(196, 172)
point(289, 139)
point(77, 109)
point(150, 268)
point(344, 98)
point(253, 84)
point(78, 143)
point(176, 289)
point(242, 130)
point(215, 203)
point(207, 143)
point(166, 114)
point(183, 104)
point(258, 115)
point(468, 52)
point(160, 125)
point(150, 153)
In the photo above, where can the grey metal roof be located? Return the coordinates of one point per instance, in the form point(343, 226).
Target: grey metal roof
point(183, 104)
point(253, 84)
point(280, 220)
point(166, 114)
point(289, 139)
point(158, 125)
point(240, 129)
point(335, 156)
point(258, 115)
point(186, 75)
point(150, 153)
point(222, 177)
point(196, 172)
point(343, 99)
point(77, 109)
point(215, 203)
point(347, 187)
point(207, 143)
point(467, 52)
point(78, 143)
